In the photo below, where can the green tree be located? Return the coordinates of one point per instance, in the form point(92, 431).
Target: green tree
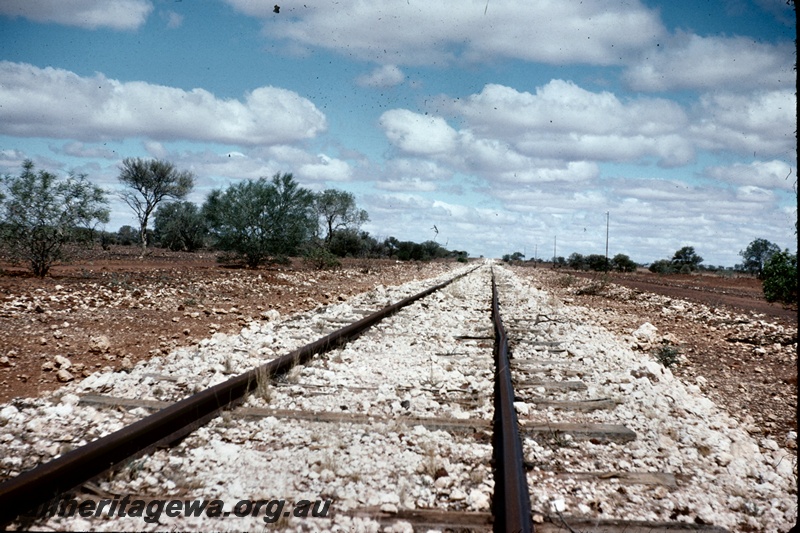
point(516, 256)
point(127, 235)
point(434, 250)
point(462, 256)
point(597, 262)
point(150, 182)
point(756, 255)
point(261, 219)
point(392, 246)
point(686, 257)
point(662, 266)
point(576, 261)
point(780, 277)
point(42, 213)
point(337, 211)
point(180, 226)
point(353, 243)
point(623, 263)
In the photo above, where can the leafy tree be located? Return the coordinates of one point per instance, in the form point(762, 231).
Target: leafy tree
point(127, 235)
point(43, 213)
point(597, 262)
point(259, 219)
point(516, 256)
point(688, 258)
point(346, 243)
point(180, 226)
point(662, 266)
point(576, 261)
point(392, 246)
point(756, 255)
point(412, 251)
point(354, 243)
point(462, 256)
point(780, 277)
point(434, 250)
point(337, 211)
point(150, 182)
point(623, 263)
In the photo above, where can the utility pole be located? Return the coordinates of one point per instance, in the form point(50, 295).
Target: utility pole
point(554, 251)
point(607, 215)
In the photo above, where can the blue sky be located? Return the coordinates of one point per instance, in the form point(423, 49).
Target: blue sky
point(505, 124)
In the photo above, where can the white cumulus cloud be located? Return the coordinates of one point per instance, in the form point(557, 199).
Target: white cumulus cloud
point(695, 62)
point(426, 33)
point(564, 121)
point(765, 174)
point(90, 14)
point(383, 76)
point(574, 171)
point(763, 122)
point(418, 134)
point(50, 102)
point(406, 185)
point(325, 169)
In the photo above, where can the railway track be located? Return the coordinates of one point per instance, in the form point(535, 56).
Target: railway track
point(404, 426)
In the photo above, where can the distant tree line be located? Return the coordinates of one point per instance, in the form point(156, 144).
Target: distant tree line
point(599, 263)
point(252, 221)
point(777, 269)
point(270, 220)
point(576, 261)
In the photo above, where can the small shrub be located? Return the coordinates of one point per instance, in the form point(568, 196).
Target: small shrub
point(667, 355)
point(321, 259)
point(559, 439)
point(596, 287)
point(567, 281)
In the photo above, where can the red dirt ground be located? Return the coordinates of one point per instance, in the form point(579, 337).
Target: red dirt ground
point(112, 309)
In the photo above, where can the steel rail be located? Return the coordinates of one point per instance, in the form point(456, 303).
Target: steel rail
point(29, 490)
point(511, 503)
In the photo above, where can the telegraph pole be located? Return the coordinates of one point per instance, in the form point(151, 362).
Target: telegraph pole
point(607, 215)
point(554, 250)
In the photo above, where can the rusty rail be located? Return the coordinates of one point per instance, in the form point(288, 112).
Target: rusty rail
point(31, 489)
point(511, 504)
